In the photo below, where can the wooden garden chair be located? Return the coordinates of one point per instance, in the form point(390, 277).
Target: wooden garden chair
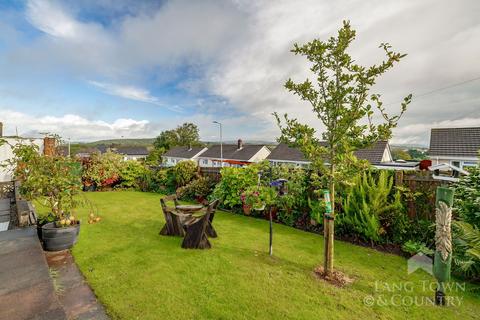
point(210, 229)
point(196, 237)
point(173, 225)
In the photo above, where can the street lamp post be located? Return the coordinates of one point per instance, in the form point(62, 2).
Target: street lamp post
point(221, 143)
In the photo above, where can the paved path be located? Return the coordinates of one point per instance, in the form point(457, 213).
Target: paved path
point(4, 214)
point(75, 295)
point(26, 289)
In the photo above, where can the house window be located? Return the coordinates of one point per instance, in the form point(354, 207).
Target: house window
point(205, 161)
point(469, 164)
point(456, 163)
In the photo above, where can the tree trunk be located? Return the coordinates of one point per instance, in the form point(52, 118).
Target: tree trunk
point(328, 230)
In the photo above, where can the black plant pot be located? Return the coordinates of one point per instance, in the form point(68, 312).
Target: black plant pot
point(39, 231)
point(56, 239)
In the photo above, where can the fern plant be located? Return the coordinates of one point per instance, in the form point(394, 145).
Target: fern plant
point(466, 256)
point(466, 251)
point(369, 206)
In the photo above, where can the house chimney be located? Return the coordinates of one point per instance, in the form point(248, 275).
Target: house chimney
point(1, 129)
point(49, 146)
point(239, 144)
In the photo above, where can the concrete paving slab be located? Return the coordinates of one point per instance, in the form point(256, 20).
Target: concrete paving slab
point(26, 288)
point(5, 204)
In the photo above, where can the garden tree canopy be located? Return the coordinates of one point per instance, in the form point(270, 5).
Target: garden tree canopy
point(54, 179)
point(401, 154)
point(184, 172)
point(417, 154)
point(342, 101)
point(185, 135)
point(155, 156)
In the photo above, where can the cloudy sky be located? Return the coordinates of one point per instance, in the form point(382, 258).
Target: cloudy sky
point(97, 69)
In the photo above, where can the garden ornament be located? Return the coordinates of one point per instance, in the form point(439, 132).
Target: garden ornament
point(328, 205)
point(443, 241)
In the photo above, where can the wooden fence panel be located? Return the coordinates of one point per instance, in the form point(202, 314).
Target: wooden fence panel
point(211, 172)
point(423, 187)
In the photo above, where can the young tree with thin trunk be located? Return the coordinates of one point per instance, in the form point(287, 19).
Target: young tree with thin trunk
point(342, 100)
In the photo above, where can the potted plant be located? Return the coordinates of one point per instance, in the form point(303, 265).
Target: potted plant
point(258, 198)
point(54, 181)
point(247, 208)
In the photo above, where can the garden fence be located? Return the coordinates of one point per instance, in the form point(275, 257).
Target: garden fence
point(422, 186)
point(420, 199)
point(211, 172)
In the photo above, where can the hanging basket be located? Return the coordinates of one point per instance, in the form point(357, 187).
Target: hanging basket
point(260, 208)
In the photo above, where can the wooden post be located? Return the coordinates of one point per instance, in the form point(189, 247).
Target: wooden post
point(412, 212)
point(399, 178)
point(270, 251)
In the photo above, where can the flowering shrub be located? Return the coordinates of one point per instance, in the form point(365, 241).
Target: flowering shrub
point(184, 172)
point(131, 173)
point(292, 205)
point(234, 182)
point(102, 170)
point(199, 189)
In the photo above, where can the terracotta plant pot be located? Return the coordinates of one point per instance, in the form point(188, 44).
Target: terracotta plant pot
point(201, 199)
point(56, 239)
point(247, 210)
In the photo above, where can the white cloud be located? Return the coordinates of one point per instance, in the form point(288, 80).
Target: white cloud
point(239, 51)
point(79, 128)
point(132, 93)
point(74, 126)
point(180, 32)
point(419, 133)
point(52, 20)
point(251, 77)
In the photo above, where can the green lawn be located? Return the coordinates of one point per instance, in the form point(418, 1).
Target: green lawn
point(138, 274)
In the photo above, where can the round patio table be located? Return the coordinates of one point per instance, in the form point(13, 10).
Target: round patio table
point(189, 208)
point(189, 217)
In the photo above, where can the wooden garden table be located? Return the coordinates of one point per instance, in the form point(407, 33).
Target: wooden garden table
point(190, 210)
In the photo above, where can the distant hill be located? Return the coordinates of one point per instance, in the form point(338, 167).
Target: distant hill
point(148, 142)
point(124, 142)
point(76, 147)
point(265, 142)
point(409, 146)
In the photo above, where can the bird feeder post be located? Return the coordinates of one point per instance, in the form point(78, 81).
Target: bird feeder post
point(281, 191)
point(443, 241)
